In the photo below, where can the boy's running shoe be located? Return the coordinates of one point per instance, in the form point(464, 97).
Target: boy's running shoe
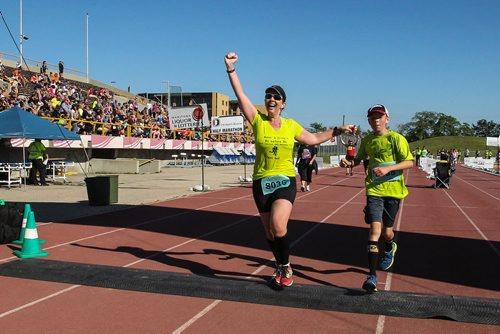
point(308, 188)
point(388, 258)
point(370, 285)
point(283, 276)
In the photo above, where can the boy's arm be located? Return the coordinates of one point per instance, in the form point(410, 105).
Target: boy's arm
point(383, 170)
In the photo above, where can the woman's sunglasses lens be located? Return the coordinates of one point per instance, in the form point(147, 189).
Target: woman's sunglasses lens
point(276, 97)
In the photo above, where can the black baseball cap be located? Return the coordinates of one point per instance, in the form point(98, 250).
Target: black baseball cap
point(278, 90)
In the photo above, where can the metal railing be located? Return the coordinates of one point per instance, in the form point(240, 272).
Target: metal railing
point(34, 64)
point(104, 128)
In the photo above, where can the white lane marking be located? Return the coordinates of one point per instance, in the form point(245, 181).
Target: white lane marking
point(38, 301)
point(497, 252)
point(197, 316)
point(481, 190)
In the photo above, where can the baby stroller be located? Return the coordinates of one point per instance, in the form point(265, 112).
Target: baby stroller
point(442, 173)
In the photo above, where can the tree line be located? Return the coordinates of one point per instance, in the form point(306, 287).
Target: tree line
point(428, 124)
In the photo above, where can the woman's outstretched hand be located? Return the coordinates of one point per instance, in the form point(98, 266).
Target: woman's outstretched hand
point(348, 129)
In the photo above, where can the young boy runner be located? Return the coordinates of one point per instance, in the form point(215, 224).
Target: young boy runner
point(389, 154)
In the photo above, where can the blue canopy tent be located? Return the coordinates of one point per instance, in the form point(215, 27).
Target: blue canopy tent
point(18, 123)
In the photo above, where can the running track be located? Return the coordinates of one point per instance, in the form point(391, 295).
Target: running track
point(449, 244)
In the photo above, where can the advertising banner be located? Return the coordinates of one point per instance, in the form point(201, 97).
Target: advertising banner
point(227, 124)
point(189, 117)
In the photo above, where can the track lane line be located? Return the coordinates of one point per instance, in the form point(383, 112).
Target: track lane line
point(481, 190)
point(497, 252)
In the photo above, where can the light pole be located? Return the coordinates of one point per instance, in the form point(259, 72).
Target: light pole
point(21, 36)
point(87, 46)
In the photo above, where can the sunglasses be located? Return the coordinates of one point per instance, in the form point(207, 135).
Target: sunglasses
point(276, 97)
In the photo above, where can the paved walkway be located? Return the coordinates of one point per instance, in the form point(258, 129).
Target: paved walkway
point(70, 200)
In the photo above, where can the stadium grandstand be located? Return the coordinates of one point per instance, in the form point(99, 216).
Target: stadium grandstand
point(111, 122)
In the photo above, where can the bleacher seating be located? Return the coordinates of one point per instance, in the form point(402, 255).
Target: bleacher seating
point(224, 156)
point(247, 156)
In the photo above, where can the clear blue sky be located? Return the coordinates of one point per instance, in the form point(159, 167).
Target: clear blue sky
point(333, 58)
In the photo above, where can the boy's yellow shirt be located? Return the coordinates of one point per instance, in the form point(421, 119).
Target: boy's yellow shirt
point(387, 149)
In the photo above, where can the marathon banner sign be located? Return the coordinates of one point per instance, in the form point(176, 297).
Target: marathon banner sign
point(188, 117)
point(228, 124)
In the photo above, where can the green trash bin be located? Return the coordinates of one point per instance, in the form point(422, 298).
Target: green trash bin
point(102, 190)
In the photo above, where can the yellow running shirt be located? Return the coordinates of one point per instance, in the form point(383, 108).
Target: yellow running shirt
point(274, 148)
point(388, 149)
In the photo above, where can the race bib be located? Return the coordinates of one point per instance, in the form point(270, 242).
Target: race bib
point(271, 183)
point(391, 176)
point(306, 154)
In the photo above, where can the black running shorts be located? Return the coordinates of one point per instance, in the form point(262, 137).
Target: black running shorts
point(381, 209)
point(264, 202)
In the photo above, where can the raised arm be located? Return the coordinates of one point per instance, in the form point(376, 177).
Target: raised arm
point(309, 138)
point(246, 105)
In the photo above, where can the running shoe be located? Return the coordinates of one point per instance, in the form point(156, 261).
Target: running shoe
point(388, 258)
point(286, 275)
point(308, 188)
point(276, 279)
point(283, 276)
point(370, 285)
point(303, 188)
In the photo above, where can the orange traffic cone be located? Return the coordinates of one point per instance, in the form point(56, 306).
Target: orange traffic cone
point(31, 245)
point(27, 210)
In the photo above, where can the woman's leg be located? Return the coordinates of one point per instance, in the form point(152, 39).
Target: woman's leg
point(278, 224)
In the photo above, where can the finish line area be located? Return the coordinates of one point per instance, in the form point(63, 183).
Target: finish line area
point(201, 263)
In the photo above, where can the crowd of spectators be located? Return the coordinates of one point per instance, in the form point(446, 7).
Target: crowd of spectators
point(86, 109)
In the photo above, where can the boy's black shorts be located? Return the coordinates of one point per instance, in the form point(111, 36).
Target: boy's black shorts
point(264, 202)
point(381, 209)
